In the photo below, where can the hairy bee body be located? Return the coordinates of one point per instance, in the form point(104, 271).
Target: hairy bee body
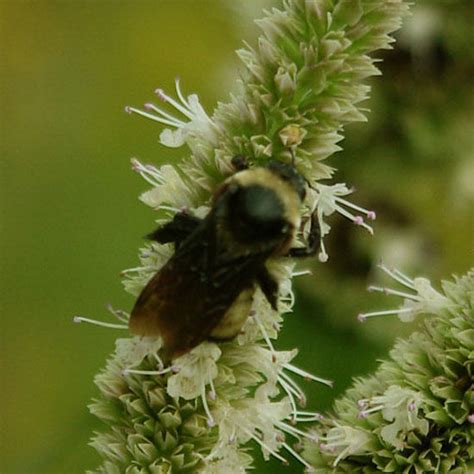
point(206, 288)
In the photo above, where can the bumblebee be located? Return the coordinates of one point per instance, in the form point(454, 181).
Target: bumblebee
point(205, 290)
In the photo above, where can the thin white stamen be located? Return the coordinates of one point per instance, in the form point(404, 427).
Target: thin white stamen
point(363, 316)
point(148, 173)
point(298, 457)
point(264, 334)
point(177, 123)
point(304, 417)
point(398, 276)
point(137, 269)
point(204, 459)
point(296, 389)
point(358, 220)
point(336, 439)
point(311, 413)
point(80, 319)
point(295, 432)
point(212, 392)
point(402, 275)
point(210, 419)
point(180, 95)
point(342, 455)
point(148, 169)
point(379, 402)
point(289, 392)
point(301, 273)
point(148, 372)
point(148, 179)
point(323, 255)
point(364, 413)
point(118, 313)
point(160, 93)
point(289, 299)
point(390, 291)
point(172, 209)
point(290, 388)
point(307, 375)
point(160, 362)
point(370, 214)
point(261, 443)
point(150, 116)
point(232, 437)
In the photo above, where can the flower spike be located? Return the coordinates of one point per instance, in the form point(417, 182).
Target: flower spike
point(301, 86)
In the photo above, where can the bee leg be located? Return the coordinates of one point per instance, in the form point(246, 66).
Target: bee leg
point(269, 286)
point(239, 162)
point(182, 225)
point(312, 244)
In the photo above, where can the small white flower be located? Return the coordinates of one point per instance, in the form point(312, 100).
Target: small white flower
point(253, 418)
point(152, 258)
point(229, 459)
point(133, 350)
point(399, 406)
point(420, 298)
point(195, 370)
point(343, 441)
point(170, 190)
point(193, 123)
point(261, 145)
point(285, 79)
point(327, 200)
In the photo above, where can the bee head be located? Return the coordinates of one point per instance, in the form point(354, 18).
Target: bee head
point(289, 174)
point(256, 214)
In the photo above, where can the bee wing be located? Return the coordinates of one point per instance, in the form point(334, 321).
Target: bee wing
point(188, 297)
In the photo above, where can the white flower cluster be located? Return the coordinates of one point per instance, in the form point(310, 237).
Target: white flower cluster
point(239, 383)
point(302, 85)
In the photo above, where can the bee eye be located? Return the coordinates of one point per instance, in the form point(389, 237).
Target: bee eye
point(257, 213)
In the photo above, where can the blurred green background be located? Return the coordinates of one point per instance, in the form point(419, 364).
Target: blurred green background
point(71, 220)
